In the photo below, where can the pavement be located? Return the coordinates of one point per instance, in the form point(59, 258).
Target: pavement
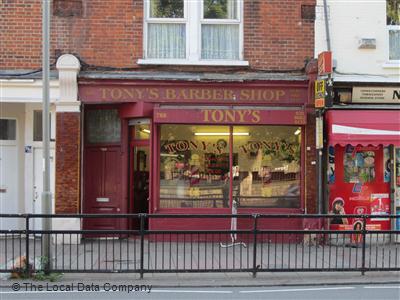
point(171, 280)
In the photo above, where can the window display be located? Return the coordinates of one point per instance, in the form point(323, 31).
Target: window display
point(269, 159)
point(195, 164)
point(359, 166)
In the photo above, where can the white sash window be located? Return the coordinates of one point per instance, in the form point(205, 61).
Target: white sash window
point(393, 25)
point(208, 32)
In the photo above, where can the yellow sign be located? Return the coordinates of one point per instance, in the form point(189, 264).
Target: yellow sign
point(319, 93)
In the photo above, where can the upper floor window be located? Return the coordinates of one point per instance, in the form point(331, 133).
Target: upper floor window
point(193, 32)
point(393, 24)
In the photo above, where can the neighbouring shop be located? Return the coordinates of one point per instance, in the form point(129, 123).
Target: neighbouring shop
point(363, 166)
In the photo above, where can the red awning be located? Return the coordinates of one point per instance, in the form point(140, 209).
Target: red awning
point(364, 127)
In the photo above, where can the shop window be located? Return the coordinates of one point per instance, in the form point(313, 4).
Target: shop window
point(103, 126)
point(393, 26)
point(177, 32)
point(196, 166)
point(269, 166)
point(194, 169)
point(8, 130)
point(359, 166)
point(38, 126)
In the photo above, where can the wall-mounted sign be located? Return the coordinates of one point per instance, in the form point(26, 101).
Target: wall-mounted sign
point(319, 93)
point(325, 63)
point(230, 116)
point(377, 94)
point(319, 133)
point(194, 93)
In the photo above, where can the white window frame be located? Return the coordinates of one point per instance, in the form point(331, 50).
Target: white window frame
point(193, 18)
point(392, 27)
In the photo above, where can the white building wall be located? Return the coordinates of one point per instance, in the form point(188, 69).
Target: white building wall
point(349, 22)
point(19, 99)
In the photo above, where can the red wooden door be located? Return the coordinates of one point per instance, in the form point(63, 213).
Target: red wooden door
point(103, 187)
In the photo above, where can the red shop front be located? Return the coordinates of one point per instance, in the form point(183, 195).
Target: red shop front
point(361, 148)
point(184, 148)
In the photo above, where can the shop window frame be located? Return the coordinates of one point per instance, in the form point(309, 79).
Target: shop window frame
point(246, 209)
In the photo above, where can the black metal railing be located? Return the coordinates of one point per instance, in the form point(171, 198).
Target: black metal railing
point(259, 245)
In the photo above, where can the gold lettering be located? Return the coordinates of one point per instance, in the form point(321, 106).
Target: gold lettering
point(228, 95)
point(241, 113)
point(206, 94)
point(230, 116)
point(170, 94)
point(245, 95)
point(280, 94)
point(205, 115)
point(153, 93)
point(256, 116)
point(220, 116)
point(128, 92)
point(217, 94)
point(116, 94)
point(268, 95)
point(140, 93)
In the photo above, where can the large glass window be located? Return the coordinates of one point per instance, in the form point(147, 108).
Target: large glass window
point(393, 24)
point(269, 166)
point(196, 166)
point(176, 30)
point(103, 126)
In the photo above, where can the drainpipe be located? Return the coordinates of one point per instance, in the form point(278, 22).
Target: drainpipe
point(327, 32)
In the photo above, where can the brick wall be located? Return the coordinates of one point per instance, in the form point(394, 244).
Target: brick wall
point(68, 162)
point(276, 37)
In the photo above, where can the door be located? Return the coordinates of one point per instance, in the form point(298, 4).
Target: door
point(103, 187)
point(139, 185)
point(8, 185)
point(36, 223)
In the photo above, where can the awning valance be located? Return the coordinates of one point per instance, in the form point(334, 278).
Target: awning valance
point(364, 127)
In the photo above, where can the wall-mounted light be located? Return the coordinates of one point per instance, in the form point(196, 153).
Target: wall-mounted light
point(297, 132)
point(221, 133)
point(145, 130)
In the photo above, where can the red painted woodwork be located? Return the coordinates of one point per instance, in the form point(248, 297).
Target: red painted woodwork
point(277, 93)
point(103, 186)
point(230, 116)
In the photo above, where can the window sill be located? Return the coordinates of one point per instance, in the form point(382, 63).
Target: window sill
point(192, 63)
point(391, 65)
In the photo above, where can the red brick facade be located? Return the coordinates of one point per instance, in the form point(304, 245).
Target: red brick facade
point(276, 37)
point(68, 162)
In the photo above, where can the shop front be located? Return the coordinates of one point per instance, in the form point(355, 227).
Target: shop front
point(363, 166)
point(180, 148)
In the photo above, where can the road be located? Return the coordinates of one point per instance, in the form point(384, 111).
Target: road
point(365, 292)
